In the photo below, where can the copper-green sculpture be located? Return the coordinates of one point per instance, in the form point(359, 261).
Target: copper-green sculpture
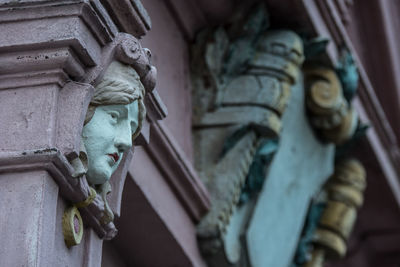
point(113, 120)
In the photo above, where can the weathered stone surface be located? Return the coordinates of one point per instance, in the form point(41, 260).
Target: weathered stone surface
point(300, 167)
point(247, 103)
point(242, 76)
point(28, 221)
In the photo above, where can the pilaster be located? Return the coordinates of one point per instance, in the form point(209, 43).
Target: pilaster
point(52, 54)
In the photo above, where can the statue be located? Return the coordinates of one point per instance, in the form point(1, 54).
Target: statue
point(113, 120)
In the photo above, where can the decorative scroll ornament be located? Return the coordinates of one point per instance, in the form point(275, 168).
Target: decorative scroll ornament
point(330, 113)
point(344, 196)
point(329, 93)
point(242, 77)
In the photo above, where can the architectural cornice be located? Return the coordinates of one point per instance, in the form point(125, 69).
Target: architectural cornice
point(179, 173)
point(188, 16)
point(129, 15)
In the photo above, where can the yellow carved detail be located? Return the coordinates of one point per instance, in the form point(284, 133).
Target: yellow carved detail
point(317, 259)
point(330, 113)
point(87, 201)
point(339, 218)
point(344, 196)
point(333, 245)
point(71, 220)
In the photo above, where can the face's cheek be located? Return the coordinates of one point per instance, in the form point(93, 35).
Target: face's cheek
point(98, 138)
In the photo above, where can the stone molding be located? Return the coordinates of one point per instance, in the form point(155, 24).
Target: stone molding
point(180, 174)
point(124, 11)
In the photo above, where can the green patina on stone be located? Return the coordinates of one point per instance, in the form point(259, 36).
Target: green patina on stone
point(348, 74)
point(305, 246)
point(258, 169)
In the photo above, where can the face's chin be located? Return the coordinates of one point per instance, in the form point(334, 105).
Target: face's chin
point(99, 170)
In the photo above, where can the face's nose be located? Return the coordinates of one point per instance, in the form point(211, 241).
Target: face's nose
point(123, 137)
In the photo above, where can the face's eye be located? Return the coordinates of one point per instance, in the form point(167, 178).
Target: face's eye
point(114, 115)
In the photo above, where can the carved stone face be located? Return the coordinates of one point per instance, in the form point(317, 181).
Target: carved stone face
point(107, 136)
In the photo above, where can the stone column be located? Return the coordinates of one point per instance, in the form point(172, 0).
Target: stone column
point(51, 56)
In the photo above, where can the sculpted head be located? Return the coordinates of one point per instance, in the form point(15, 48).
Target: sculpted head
point(113, 121)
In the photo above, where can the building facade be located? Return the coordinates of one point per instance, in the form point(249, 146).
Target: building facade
point(265, 133)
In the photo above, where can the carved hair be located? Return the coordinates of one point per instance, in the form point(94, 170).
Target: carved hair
point(120, 86)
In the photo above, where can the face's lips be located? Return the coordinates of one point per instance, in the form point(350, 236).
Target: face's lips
point(114, 156)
